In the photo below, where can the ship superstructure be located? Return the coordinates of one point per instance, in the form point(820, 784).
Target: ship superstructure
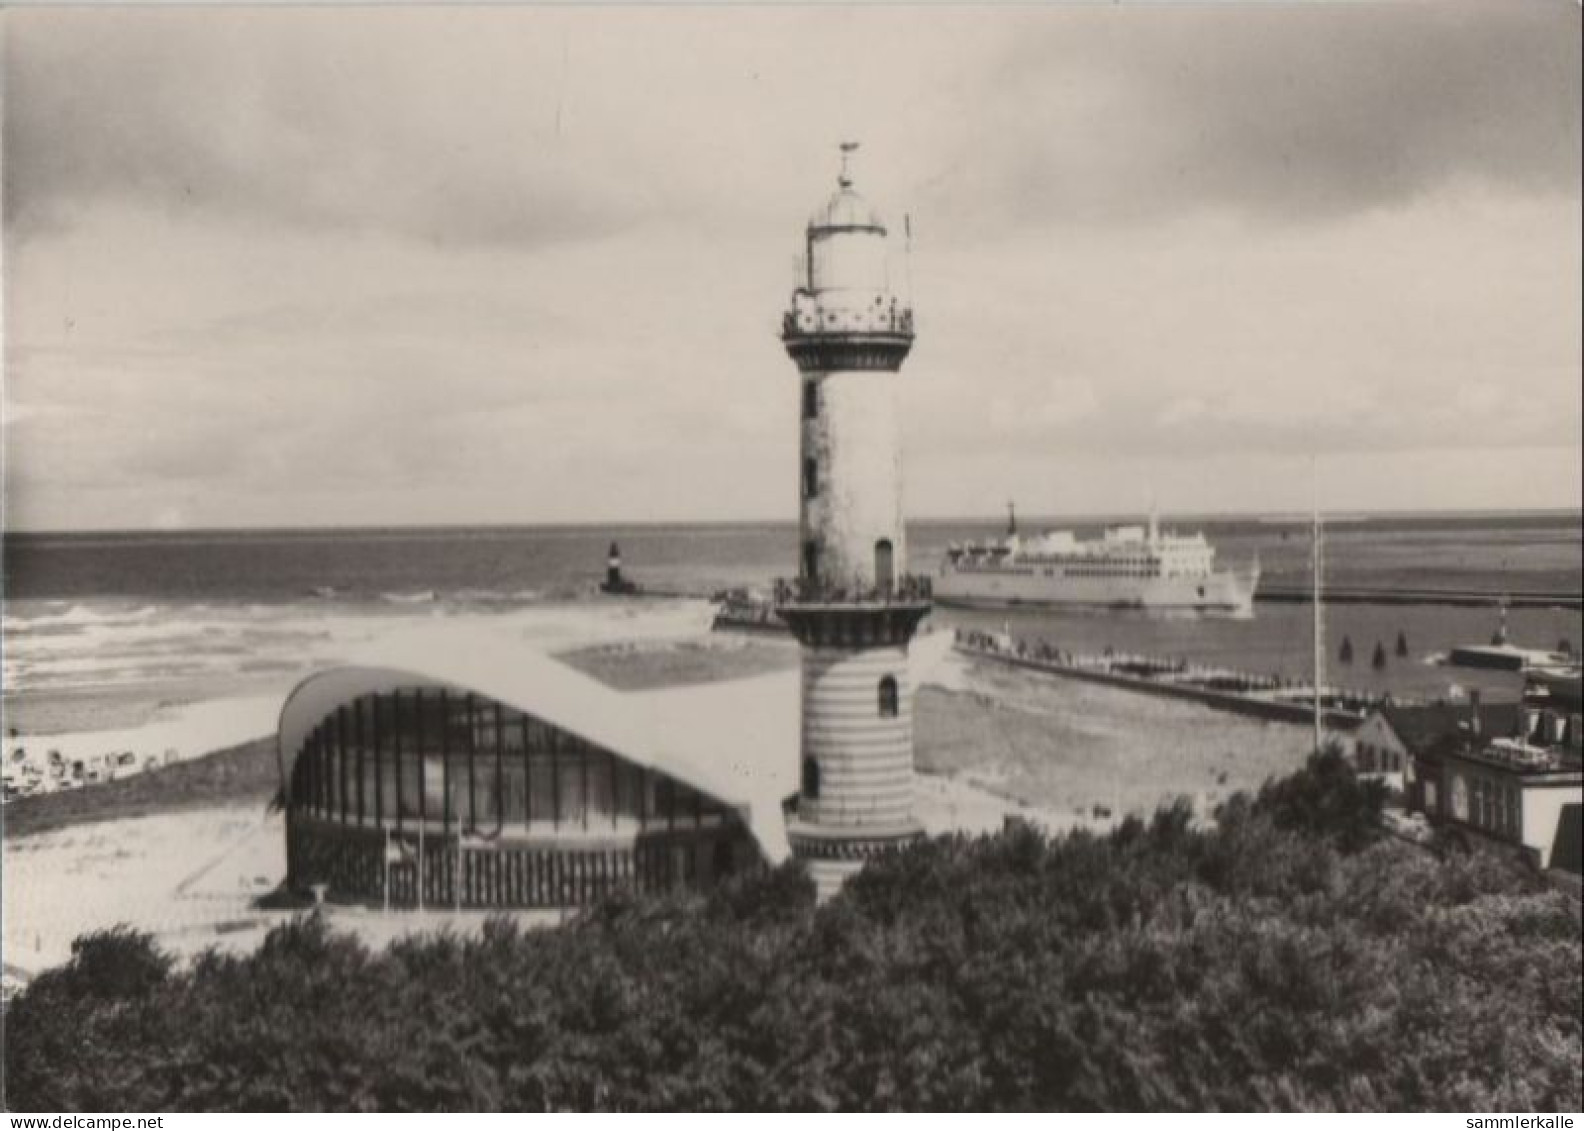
point(1126, 567)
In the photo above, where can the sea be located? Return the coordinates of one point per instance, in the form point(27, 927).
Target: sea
point(103, 630)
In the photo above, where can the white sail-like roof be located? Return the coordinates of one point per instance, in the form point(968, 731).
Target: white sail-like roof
point(736, 741)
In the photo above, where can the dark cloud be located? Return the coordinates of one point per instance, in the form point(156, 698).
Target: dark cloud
point(347, 120)
point(1288, 111)
point(272, 254)
point(526, 126)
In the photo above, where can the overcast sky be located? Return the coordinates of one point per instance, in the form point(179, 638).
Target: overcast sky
point(300, 267)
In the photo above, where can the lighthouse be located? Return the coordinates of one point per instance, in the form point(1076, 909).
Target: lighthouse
point(851, 606)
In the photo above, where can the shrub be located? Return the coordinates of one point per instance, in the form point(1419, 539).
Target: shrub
point(1327, 799)
point(1285, 957)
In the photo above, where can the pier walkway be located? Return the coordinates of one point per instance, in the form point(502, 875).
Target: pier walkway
point(1467, 598)
point(1255, 695)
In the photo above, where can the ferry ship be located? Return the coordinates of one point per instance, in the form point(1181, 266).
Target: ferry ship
point(1126, 567)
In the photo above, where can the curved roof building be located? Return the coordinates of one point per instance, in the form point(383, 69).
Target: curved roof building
point(448, 770)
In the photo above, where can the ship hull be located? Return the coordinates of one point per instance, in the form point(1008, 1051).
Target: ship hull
point(996, 588)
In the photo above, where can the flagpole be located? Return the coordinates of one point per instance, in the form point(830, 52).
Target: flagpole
point(907, 255)
point(1315, 599)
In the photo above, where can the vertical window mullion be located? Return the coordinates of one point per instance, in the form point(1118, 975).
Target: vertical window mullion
point(527, 775)
point(358, 760)
point(615, 789)
point(471, 708)
point(328, 768)
point(341, 759)
point(379, 761)
point(445, 764)
point(396, 753)
point(500, 767)
point(585, 756)
point(472, 770)
point(311, 752)
point(553, 740)
point(423, 756)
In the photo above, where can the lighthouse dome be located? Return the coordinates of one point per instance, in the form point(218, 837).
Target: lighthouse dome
point(846, 209)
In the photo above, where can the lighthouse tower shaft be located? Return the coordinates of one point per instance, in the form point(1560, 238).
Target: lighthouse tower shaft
point(852, 606)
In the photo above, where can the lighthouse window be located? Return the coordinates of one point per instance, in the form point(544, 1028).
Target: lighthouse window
point(810, 479)
point(888, 698)
point(810, 400)
point(811, 779)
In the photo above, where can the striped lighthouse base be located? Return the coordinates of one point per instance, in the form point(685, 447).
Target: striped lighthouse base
point(857, 739)
point(834, 855)
point(856, 800)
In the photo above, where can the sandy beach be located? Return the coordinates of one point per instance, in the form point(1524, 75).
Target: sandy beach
point(190, 878)
point(1033, 741)
point(193, 878)
point(167, 732)
point(1068, 746)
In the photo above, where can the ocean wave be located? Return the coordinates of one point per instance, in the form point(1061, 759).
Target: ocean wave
point(241, 644)
point(76, 676)
point(494, 596)
point(76, 616)
point(420, 597)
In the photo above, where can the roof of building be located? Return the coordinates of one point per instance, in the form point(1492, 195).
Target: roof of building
point(1420, 725)
point(846, 209)
point(1515, 756)
point(736, 741)
point(1565, 686)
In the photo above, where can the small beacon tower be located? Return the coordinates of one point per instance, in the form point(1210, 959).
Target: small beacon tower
point(850, 607)
point(614, 581)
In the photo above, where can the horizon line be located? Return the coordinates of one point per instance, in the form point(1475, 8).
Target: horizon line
point(1339, 514)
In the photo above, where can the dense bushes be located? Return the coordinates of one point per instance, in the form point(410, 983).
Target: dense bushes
point(1326, 799)
point(1288, 958)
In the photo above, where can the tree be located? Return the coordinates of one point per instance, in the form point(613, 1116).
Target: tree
point(1286, 955)
point(1326, 799)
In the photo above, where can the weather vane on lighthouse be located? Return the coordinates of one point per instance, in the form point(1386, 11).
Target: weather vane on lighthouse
point(844, 178)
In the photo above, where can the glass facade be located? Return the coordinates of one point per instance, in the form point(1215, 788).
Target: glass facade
point(430, 795)
point(457, 762)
